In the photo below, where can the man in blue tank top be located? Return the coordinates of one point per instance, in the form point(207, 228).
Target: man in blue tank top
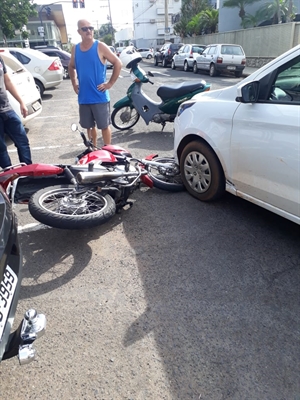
point(87, 70)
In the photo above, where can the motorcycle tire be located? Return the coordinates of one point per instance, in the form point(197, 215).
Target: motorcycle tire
point(163, 179)
point(54, 206)
point(124, 117)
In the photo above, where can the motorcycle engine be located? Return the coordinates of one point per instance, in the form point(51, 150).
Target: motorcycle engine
point(159, 118)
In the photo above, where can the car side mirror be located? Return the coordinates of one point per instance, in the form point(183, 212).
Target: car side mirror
point(248, 93)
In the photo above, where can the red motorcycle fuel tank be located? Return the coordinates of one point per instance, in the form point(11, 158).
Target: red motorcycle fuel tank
point(102, 156)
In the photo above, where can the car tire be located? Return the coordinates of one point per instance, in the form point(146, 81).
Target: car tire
point(238, 74)
point(155, 61)
point(173, 66)
point(149, 56)
point(201, 171)
point(212, 70)
point(185, 66)
point(195, 68)
point(164, 63)
point(39, 87)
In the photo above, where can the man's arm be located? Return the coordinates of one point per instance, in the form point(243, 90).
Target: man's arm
point(14, 92)
point(106, 54)
point(72, 71)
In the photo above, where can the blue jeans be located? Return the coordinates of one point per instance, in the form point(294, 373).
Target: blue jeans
point(11, 124)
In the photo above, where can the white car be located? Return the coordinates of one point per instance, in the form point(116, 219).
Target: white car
point(25, 84)
point(47, 71)
point(108, 63)
point(146, 53)
point(245, 139)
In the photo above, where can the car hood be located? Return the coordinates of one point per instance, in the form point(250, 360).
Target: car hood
point(225, 93)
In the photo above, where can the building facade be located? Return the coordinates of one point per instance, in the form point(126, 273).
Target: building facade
point(153, 22)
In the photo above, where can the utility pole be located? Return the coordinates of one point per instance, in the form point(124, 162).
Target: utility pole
point(167, 29)
point(111, 24)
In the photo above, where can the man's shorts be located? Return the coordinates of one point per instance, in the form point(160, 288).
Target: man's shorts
point(94, 114)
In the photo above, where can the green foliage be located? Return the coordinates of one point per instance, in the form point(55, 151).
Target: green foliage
point(189, 10)
point(14, 15)
point(250, 21)
point(278, 11)
point(241, 4)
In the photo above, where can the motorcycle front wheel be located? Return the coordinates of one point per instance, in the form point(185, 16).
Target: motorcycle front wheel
point(65, 207)
point(124, 117)
point(166, 177)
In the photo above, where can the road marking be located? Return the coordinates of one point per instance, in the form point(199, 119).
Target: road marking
point(47, 147)
point(35, 226)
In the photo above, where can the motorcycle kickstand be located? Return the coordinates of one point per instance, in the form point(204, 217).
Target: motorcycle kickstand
point(163, 124)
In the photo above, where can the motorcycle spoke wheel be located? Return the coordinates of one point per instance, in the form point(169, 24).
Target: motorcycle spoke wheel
point(166, 177)
point(124, 117)
point(66, 208)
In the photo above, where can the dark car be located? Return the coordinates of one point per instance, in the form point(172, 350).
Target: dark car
point(166, 53)
point(57, 52)
point(18, 343)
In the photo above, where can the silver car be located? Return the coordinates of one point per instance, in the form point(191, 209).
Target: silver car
point(219, 58)
point(185, 56)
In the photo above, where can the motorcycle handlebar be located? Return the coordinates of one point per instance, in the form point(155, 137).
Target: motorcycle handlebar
point(152, 83)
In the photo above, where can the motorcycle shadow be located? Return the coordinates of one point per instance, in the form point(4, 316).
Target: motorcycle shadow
point(53, 257)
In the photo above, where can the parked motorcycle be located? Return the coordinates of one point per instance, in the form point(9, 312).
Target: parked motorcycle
point(136, 103)
point(90, 192)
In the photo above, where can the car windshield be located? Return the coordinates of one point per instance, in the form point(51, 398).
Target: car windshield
point(234, 50)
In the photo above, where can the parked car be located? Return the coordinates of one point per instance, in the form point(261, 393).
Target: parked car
point(146, 53)
point(57, 52)
point(25, 84)
point(185, 56)
point(245, 139)
point(47, 71)
point(20, 342)
point(119, 50)
point(165, 54)
point(218, 58)
point(108, 63)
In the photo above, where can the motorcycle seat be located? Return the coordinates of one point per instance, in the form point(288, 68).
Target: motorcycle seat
point(167, 92)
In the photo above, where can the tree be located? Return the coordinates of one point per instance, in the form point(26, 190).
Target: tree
point(251, 21)
point(241, 4)
point(278, 11)
point(209, 20)
point(189, 9)
point(14, 15)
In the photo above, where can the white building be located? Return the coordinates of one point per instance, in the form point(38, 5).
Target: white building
point(151, 28)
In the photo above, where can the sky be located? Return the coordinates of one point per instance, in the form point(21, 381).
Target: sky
point(97, 12)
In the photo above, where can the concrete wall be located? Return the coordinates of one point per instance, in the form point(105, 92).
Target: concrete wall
point(260, 44)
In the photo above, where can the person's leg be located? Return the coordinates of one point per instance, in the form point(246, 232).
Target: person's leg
point(92, 135)
point(106, 135)
point(16, 131)
point(4, 157)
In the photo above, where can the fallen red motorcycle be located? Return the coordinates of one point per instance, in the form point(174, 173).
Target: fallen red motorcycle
point(90, 192)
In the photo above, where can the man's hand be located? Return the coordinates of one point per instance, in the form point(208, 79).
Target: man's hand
point(76, 88)
point(104, 86)
point(24, 110)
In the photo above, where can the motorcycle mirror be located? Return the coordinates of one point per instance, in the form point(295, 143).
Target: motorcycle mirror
point(150, 73)
point(74, 127)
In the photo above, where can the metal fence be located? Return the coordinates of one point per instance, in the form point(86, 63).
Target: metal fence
point(265, 42)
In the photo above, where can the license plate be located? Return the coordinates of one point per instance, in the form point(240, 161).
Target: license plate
point(231, 68)
point(36, 106)
point(7, 289)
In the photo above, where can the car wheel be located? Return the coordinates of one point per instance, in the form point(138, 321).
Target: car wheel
point(39, 87)
point(173, 66)
point(195, 68)
point(212, 70)
point(155, 61)
point(238, 74)
point(201, 171)
point(149, 56)
point(185, 66)
point(164, 63)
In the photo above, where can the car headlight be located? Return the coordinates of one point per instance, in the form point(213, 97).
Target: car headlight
point(184, 106)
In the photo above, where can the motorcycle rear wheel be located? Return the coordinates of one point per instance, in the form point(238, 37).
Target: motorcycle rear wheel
point(166, 178)
point(124, 117)
point(61, 207)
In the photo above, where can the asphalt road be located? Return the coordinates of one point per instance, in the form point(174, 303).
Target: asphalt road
point(172, 299)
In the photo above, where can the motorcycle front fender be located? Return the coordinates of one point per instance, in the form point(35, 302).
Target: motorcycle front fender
point(124, 102)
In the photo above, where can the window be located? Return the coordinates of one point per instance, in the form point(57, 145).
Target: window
point(23, 59)
point(211, 50)
point(286, 87)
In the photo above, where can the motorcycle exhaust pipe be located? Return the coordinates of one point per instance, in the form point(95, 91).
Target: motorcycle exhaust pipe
point(93, 177)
